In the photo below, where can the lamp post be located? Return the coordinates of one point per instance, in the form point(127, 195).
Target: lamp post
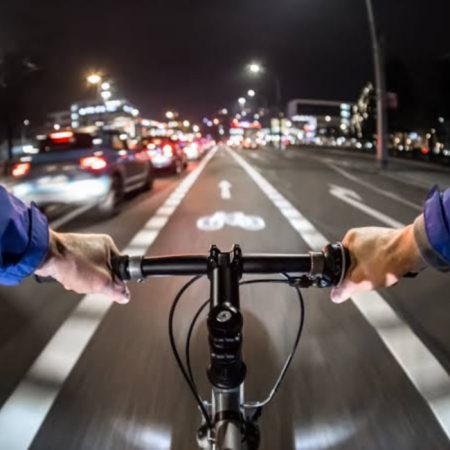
point(95, 79)
point(380, 89)
point(257, 69)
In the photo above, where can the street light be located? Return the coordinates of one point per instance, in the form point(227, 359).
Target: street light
point(186, 123)
point(106, 86)
point(251, 93)
point(94, 78)
point(257, 69)
point(242, 101)
point(106, 95)
point(170, 115)
point(254, 67)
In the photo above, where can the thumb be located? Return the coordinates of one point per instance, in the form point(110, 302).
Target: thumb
point(118, 292)
point(340, 294)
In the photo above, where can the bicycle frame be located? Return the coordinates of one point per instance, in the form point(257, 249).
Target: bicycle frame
point(227, 370)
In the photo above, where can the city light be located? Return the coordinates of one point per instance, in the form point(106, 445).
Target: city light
point(216, 121)
point(254, 68)
point(224, 111)
point(196, 128)
point(251, 93)
point(186, 123)
point(94, 78)
point(170, 115)
point(106, 86)
point(242, 101)
point(327, 118)
point(106, 95)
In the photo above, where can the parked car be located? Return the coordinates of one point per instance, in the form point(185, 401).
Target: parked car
point(81, 169)
point(165, 154)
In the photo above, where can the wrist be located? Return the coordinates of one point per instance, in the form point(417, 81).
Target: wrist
point(54, 253)
point(404, 252)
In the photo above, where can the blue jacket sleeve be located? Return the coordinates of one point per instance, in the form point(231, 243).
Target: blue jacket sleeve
point(432, 230)
point(24, 239)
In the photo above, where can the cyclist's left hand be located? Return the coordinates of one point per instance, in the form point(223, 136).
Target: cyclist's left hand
point(82, 263)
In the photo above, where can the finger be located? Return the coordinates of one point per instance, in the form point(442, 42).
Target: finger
point(118, 292)
point(342, 293)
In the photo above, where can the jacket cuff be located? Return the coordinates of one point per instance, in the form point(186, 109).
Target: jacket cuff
point(427, 252)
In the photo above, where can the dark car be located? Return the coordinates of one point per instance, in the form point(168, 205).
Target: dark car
point(82, 169)
point(165, 154)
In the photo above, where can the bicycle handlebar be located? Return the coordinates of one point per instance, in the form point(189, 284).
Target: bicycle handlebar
point(325, 268)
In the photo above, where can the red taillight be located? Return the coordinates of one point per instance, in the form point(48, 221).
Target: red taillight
point(425, 150)
point(20, 169)
point(61, 136)
point(168, 150)
point(95, 163)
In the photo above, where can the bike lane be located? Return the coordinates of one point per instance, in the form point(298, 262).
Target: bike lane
point(344, 389)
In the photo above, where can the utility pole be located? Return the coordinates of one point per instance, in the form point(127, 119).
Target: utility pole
point(380, 89)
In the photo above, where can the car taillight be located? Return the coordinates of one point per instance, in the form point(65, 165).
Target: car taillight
point(425, 150)
point(95, 163)
point(168, 150)
point(61, 137)
point(20, 169)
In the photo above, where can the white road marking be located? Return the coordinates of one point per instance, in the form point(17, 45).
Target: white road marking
point(225, 189)
point(354, 199)
point(58, 223)
point(25, 410)
point(422, 368)
point(370, 186)
point(234, 219)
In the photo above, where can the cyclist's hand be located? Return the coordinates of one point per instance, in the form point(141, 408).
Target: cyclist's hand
point(82, 263)
point(379, 258)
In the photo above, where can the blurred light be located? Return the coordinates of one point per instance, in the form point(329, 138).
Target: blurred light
point(170, 115)
point(123, 136)
point(168, 150)
point(56, 126)
point(224, 111)
point(94, 78)
point(106, 86)
point(62, 136)
point(30, 149)
point(93, 163)
point(97, 141)
point(20, 169)
point(241, 101)
point(135, 112)
point(210, 124)
point(216, 121)
point(327, 118)
point(186, 123)
point(251, 93)
point(106, 95)
point(196, 128)
point(441, 120)
point(26, 122)
point(256, 116)
point(254, 68)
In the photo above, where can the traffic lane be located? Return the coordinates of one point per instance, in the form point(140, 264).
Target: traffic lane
point(407, 178)
point(31, 313)
point(126, 391)
point(298, 178)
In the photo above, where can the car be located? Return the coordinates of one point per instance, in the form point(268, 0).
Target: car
point(165, 154)
point(78, 168)
point(249, 144)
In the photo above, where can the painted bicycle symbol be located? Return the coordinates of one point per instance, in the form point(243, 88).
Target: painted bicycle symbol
point(233, 219)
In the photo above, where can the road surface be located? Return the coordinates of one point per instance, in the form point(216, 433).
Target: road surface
point(79, 374)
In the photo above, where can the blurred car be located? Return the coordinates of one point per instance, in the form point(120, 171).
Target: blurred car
point(249, 144)
point(81, 169)
point(165, 154)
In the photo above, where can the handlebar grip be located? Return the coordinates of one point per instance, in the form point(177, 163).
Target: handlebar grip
point(119, 266)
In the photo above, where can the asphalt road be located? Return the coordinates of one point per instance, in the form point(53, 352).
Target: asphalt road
point(355, 382)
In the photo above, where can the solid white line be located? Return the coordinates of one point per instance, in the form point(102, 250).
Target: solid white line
point(419, 364)
point(25, 410)
point(57, 223)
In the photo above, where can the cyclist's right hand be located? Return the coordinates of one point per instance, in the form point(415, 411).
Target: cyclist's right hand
point(379, 258)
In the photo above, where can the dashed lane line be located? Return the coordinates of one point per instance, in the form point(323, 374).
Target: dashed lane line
point(25, 410)
point(422, 368)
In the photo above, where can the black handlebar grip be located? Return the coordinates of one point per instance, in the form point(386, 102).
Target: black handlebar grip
point(119, 266)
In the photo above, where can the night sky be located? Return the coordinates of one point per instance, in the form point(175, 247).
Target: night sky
point(190, 55)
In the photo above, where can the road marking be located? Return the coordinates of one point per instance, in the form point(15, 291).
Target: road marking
point(370, 186)
point(25, 410)
point(422, 368)
point(58, 223)
point(234, 219)
point(225, 189)
point(354, 199)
